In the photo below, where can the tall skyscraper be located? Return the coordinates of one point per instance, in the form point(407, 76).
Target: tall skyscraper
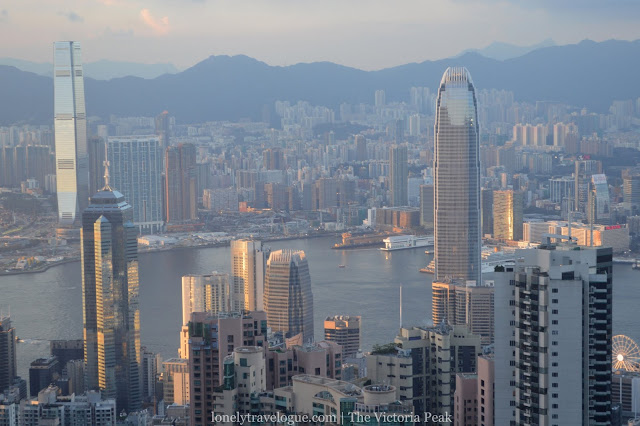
point(507, 214)
point(180, 183)
point(248, 266)
point(111, 313)
point(8, 366)
point(136, 169)
point(398, 175)
point(72, 161)
point(554, 345)
point(288, 301)
point(205, 293)
point(457, 178)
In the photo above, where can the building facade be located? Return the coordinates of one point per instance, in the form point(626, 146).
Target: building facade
point(248, 267)
point(507, 215)
point(135, 166)
point(455, 303)
point(205, 293)
point(111, 312)
point(553, 355)
point(181, 199)
point(457, 178)
point(72, 160)
point(398, 176)
point(345, 331)
point(8, 357)
point(288, 300)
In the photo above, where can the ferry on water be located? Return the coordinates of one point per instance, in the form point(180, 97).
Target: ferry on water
point(401, 242)
point(490, 259)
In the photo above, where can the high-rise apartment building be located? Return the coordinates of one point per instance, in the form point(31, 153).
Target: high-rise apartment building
point(424, 370)
point(288, 300)
point(211, 339)
point(345, 331)
point(111, 314)
point(457, 179)
point(456, 303)
point(486, 210)
point(398, 175)
point(135, 166)
point(175, 379)
point(426, 206)
point(507, 214)
point(8, 357)
point(72, 161)
point(361, 148)
point(553, 352)
point(163, 129)
point(180, 183)
point(248, 267)
point(273, 159)
point(205, 293)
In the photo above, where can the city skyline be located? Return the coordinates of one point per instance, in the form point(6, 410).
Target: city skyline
point(365, 191)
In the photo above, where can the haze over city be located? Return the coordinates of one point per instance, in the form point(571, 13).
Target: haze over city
point(358, 213)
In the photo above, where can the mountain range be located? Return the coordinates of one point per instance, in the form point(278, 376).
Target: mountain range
point(99, 70)
point(501, 51)
point(588, 74)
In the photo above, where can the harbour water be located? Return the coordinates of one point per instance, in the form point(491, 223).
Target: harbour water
point(48, 305)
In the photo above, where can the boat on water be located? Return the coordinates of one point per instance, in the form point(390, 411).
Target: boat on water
point(401, 242)
point(490, 259)
point(342, 266)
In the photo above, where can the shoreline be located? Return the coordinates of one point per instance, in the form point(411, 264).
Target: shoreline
point(47, 266)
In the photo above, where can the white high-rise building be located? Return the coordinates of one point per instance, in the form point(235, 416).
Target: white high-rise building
point(205, 293)
point(248, 266)
point(135, 169)
point(553, 337)
point(72, 160)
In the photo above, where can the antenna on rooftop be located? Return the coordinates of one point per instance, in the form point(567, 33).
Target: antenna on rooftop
point(400, 306)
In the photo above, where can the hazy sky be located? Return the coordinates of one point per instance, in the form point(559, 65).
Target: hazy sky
point(367, 34)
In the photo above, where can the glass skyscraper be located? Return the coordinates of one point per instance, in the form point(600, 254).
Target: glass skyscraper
point(288, 301)
point(111, 315)
point(135, 166)
point(457, 179)
point(72, 162)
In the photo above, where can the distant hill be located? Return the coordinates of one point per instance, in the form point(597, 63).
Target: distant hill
point(501, 51)
point(586, 74)
point(100, 70)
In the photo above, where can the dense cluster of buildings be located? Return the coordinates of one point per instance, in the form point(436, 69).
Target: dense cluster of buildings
point(525, 343)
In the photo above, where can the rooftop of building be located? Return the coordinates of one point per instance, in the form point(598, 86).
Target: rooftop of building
point(346, 388)
point(44, 362)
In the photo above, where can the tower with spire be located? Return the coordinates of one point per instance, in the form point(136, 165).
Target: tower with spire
point(111, 314)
